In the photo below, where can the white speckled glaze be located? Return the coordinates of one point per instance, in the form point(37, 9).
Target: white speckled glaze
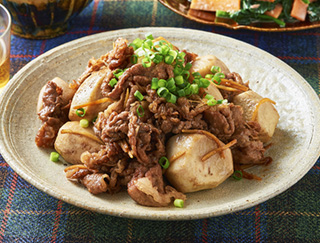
point(296, 142)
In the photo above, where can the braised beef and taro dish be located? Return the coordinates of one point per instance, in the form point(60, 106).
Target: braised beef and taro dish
point(156, 121)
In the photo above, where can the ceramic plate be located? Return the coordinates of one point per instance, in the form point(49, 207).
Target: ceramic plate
point(295, 147)
point(181, 7)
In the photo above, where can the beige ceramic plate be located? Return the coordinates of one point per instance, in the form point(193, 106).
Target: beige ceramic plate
point(182, 7)
point(295, 145)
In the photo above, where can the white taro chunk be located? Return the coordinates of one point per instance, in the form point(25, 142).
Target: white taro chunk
point(67, 92)
point(266, 114)
point(73, 140)
point(89, 91)
point(189, 173)
point(203, 65)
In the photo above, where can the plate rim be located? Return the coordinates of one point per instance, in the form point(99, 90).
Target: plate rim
point(43, 186)
point(239, 26)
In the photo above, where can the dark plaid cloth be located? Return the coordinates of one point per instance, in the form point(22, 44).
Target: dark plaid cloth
point(29, 215)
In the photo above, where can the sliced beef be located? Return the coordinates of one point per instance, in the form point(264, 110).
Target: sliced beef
point(227, 123)
point(230, 94)
point(137, 74)
point(54, 114)
point(148, 189)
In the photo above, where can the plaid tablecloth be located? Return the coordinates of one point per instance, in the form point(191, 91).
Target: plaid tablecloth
point(29, 215)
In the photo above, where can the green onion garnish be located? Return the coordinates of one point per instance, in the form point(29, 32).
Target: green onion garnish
point(215, 69)
point(140, 108)
point(179, 203)
point(138, 95)
point(118, 73)
point(162, 83)
point(81, 112)
point(149, 36)
point(157, 58)
point(134, 59)
point(137, 42)
point(179, 80)
point(222, 101)
point(162, 91)
point(168, 59)
point(154, 83)
point(171, 98)
point(217, 77)
point(146, 62)
point(237, 175)
point(164, 50)
point(84, 123)
point(164, 162)
point(54, 157)
point(196, 75)
point(204, 83)
point(181, 93)
point(211, 102)
point(113, 82)
point(194, 88)
point(187, 66)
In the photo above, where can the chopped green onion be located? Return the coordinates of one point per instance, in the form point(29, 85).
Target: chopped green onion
point(113, 82)
point(217, 77)
point(173, 53)
point(54, 156)
point(204, 83)
point(162, 91)
point(222, 101)
point(185, 74)
point(133, 46)
point(140, 108)
point(147, 44)
point(168, 59)
point(187, 66)
point(138, 95)
point(134, 59)
point(208, 97)
point(164, 162)
point(179, 203)
point(84, 123)
point(162, 83)
point(178, 69)
point(215, 69)
point(187, 89)
point(146, 62)
point(194, 88)
point(157, 58)
point(81, 112)
point(209, 76)
point(154, 83)
point(211, 102)
point(237, 175)
point(164, 50)
point(196, 75)
point(179, 80)
point(118, 73)
point(149, 36)
point(181, 93)
point(137, 42)
point(171, 98)
point(181, 56)
point(171, 84)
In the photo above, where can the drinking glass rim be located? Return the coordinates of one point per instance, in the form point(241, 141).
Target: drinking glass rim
point(9, 21)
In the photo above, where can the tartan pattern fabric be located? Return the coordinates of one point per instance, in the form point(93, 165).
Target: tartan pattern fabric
point(29, 215)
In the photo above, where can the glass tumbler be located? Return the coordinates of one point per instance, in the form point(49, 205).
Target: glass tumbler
point(5, 41)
